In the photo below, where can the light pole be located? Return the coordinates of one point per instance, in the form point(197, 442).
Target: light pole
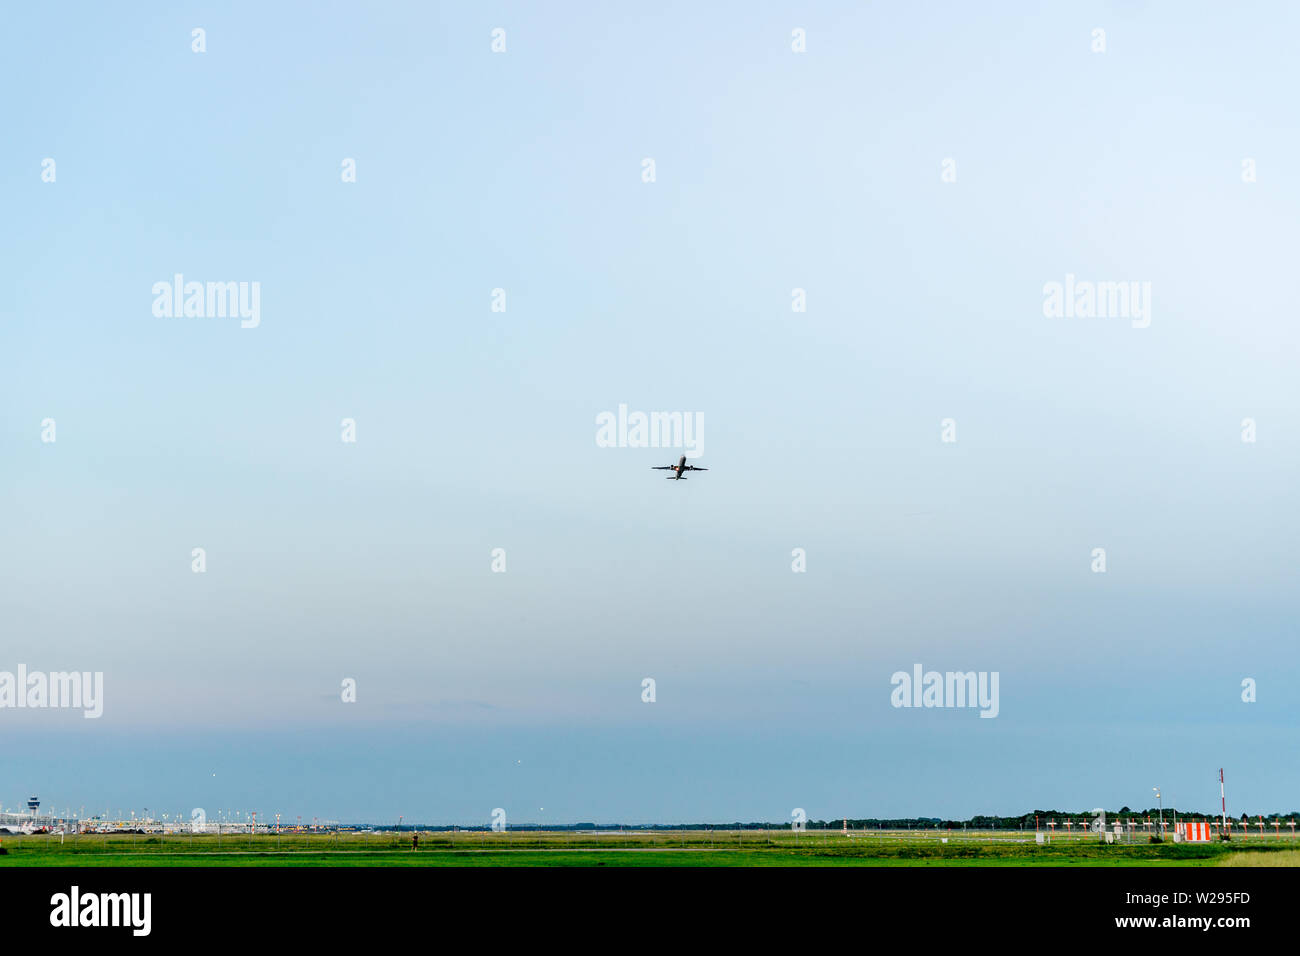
point(1161, 812)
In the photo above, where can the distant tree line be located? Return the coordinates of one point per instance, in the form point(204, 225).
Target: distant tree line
point(1025, 821)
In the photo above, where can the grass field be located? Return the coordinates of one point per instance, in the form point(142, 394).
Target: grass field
point(711, 848)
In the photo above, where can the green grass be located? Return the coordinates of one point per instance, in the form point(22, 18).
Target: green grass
point(1280, 858)
point(633, 849)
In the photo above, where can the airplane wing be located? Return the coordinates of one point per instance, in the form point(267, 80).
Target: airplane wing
point(663, 467)
point(693, 468)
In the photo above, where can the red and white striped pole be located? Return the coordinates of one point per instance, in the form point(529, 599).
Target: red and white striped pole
point(1223, 800)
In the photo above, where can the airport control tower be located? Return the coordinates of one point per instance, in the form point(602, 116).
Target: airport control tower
point(33, 804)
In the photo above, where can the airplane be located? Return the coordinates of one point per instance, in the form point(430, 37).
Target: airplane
point(677, 469)
point(20, 828)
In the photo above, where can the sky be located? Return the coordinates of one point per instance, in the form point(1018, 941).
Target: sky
point(922, 173)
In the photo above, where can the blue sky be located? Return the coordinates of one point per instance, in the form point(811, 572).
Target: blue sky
point(475, 429)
